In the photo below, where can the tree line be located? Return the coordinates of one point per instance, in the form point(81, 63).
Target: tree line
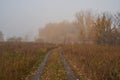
point(101, 29)
point(86, 28)
point(13, 38)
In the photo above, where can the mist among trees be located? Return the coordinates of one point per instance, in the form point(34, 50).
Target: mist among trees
point(86, 28)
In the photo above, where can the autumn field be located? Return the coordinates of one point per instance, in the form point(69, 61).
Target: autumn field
point(18, 60)
point(94, 62)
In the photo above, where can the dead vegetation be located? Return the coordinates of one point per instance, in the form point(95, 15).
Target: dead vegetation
point(94, 62)
point(17, 60)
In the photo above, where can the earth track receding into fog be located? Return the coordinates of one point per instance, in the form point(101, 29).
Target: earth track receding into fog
point(68, 71)
point(40, 68)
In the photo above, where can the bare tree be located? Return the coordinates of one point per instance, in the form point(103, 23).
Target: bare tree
point(84, 22)
point(1, 37)
point(116, 24)
point(103, 29)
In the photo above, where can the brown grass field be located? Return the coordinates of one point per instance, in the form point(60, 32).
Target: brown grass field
point(94, 62)
point(17, 60)
point(89, 62)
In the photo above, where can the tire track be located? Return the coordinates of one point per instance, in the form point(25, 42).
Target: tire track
point(69, 73)
point(40, 68)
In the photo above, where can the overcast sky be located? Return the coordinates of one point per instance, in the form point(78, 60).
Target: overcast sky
point(21, 17)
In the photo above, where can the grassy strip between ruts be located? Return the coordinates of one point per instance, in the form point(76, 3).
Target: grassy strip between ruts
point(54, 69)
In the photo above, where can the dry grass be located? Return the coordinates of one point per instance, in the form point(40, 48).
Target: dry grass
point(94, 62)
point(54, 69)
point(17, 60)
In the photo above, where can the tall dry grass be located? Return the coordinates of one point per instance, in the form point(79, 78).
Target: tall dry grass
point(17, 60)
point(95, 62)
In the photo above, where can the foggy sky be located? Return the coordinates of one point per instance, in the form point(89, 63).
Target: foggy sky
point(25, 17)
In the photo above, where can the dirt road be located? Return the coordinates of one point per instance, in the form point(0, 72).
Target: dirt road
point(69, 74)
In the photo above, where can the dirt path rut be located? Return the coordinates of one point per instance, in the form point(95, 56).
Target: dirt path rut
point(40, 68)
point(69, 73)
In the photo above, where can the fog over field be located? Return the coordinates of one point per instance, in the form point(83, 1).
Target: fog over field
point(59, 39)
point(25, 17)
